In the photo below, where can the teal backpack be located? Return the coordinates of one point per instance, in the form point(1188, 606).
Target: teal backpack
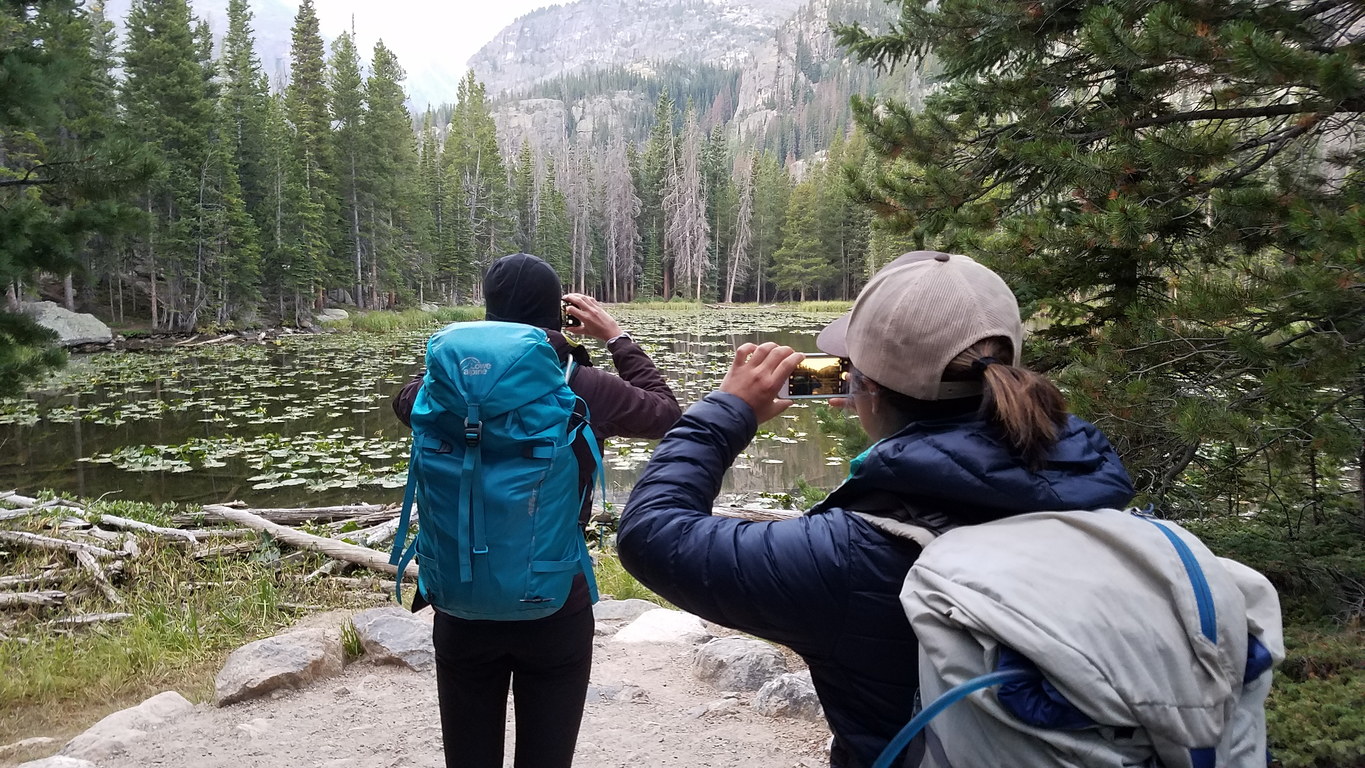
point(495, 477)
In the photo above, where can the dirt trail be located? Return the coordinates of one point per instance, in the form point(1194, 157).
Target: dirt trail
point(644, 709)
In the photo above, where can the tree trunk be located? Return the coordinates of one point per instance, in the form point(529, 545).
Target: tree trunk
point(68, 293)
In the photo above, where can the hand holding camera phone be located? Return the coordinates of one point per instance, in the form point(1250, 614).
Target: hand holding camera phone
point(568, 320)
point(818, 376)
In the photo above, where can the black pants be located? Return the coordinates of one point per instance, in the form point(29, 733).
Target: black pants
point(547, 662)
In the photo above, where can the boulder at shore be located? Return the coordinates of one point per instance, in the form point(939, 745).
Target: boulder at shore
point(72, 328)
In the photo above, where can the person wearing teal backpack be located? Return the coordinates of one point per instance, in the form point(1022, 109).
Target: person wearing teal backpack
point(508, 421)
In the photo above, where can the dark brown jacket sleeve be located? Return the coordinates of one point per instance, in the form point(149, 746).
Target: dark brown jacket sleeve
point(636, 402)
point(402, 402)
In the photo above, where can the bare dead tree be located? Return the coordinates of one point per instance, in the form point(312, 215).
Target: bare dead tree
point(686, 227)
point(744, 235)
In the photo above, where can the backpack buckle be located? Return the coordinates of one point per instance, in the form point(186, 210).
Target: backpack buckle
point(472, 433)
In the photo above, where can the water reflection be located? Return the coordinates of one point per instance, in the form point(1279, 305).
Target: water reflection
point(308, 422)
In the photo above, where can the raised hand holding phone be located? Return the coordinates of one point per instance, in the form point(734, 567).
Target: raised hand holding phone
point(594, 320)
point(818, 376)
point(758, 373)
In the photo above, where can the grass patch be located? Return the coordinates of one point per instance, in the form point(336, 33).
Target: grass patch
point(612, 579)
point(677, 305)
point(187, 615)
point(408, 319)
point(821, 306)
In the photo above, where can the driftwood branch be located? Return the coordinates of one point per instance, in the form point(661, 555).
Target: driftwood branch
point(45, 599)
point(89, 563)
point(337, 550)
point(287, 516)
point(134, 525)
point(90, 618)
point(34, 541)
point(52, 576)
point(27, 505)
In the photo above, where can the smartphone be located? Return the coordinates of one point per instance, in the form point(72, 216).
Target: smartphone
point(568, 320)
point(818, 376)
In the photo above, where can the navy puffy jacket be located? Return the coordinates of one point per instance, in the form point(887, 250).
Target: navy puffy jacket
point(827, 584)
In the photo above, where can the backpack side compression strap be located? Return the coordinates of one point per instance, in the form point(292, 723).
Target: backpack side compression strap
point(398, 556)
point(950, 697)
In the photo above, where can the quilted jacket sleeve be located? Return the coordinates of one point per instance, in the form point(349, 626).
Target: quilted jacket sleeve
point(779, 580)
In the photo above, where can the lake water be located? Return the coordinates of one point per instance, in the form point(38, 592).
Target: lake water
point(307, 421)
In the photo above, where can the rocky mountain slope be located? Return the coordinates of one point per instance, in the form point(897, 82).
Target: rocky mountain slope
point(638, 34)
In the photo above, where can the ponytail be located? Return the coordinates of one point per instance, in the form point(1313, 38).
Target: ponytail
point(1027, 408)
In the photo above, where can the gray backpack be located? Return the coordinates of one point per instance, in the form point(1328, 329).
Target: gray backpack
point(1101, 638)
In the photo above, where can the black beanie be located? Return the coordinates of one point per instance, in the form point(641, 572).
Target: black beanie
point(522, 288)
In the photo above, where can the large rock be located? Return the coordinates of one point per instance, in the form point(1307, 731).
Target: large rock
point(291, 660)
point(663, 626)
point(114, 733)
point(621, 610)
point(738, 663)
point(332, 315)
point(394, 636)
point(790, 695)
point(72, 328)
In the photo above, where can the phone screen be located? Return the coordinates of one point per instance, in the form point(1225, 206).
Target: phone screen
point(818, 376)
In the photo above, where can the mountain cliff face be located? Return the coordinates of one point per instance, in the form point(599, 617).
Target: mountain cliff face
point(594, 34)
point(802, 67)
point(785, 87)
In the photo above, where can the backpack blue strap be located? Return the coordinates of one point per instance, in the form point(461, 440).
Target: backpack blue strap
point(398, 556)
point(471, 496)
point(601, 481)
point(950, 697)
point(584, 431)
point(1203, 596)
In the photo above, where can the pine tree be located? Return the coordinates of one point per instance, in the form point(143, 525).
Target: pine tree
point(1184, 223)
point(60, 180)
point(354, 162)
point(554, 238)
point(524, 199)
point(394, 176)
point(167, 98)
point(306, 101)
point(243, 99)
point(772, 188)
point(655, 267)
point(477, 185)
point(802, 261)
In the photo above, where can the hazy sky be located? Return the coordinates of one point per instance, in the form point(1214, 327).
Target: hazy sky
point(424, 33)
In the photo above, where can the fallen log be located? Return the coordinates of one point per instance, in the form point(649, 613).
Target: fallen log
point(53, 576)
point(220, 533)
point(50, 598)
point(337, 550)
point(34, 541)
point(284, 516)
point(86, 619)
point(32, 504)
point(125, 524)
point(89, 563)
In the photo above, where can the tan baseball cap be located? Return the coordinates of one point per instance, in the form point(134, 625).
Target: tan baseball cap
point(918, 313)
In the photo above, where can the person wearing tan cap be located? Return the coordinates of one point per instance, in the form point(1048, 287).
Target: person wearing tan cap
point(962, 435)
